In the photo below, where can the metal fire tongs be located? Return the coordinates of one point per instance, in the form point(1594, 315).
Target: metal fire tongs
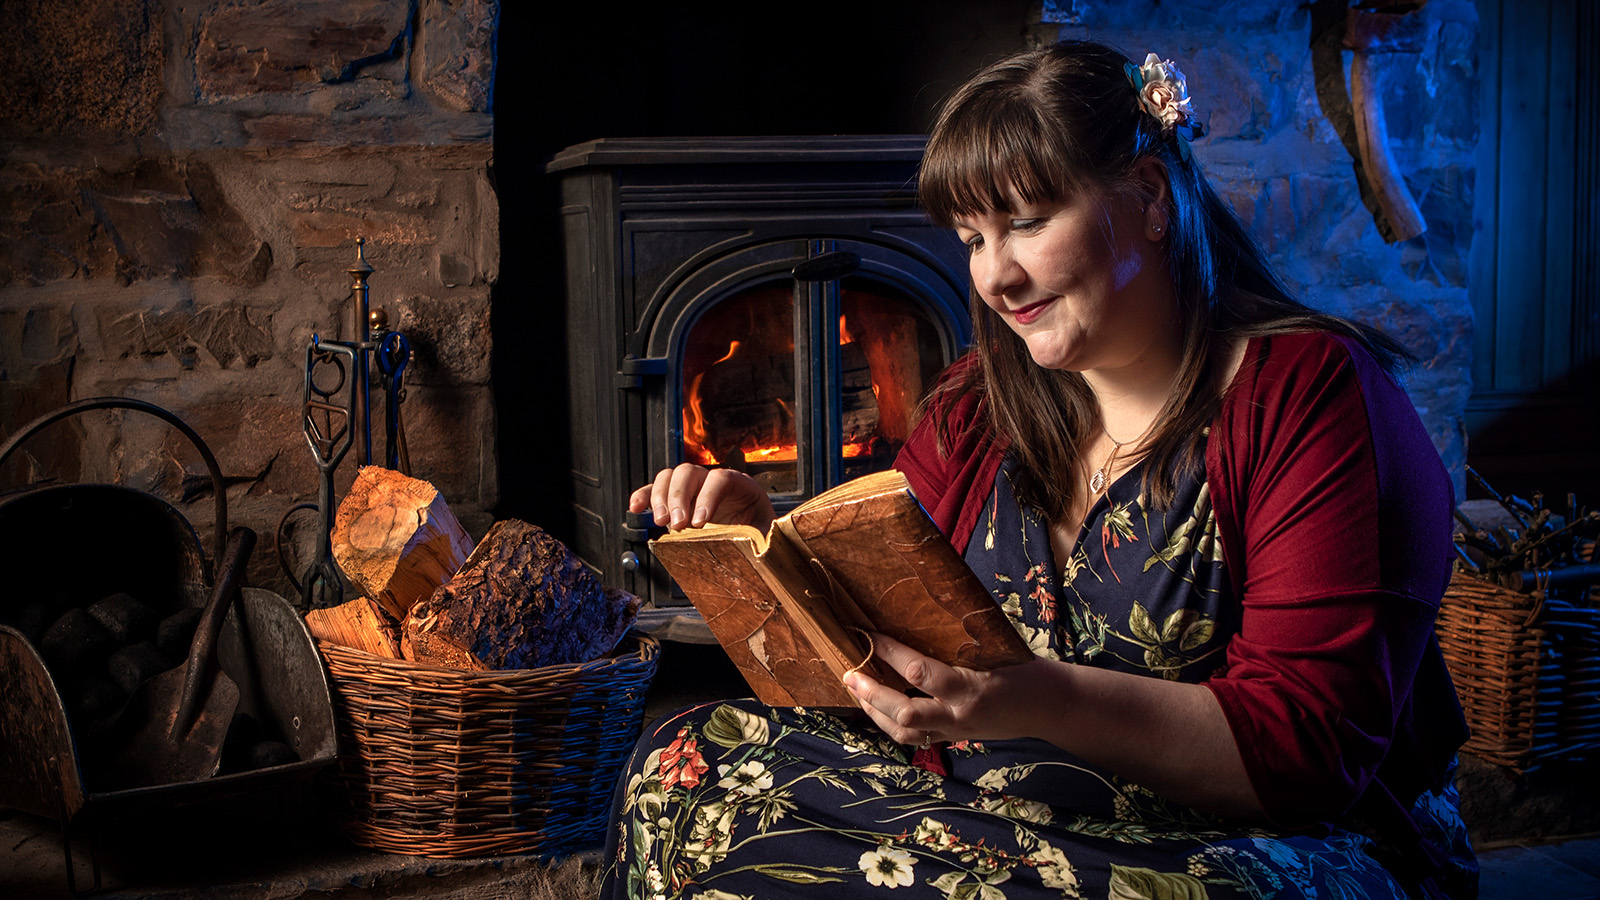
point(334, 416)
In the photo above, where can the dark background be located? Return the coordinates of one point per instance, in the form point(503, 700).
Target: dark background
point(580, 71)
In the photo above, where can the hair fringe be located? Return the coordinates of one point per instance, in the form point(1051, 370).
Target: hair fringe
point(1041, 126)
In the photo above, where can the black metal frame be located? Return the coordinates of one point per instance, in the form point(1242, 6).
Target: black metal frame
point(657, 231)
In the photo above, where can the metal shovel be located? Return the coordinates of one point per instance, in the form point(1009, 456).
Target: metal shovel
point(174, 725)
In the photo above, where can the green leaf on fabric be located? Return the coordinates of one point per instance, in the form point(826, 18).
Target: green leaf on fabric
point(1130, 883)
point(730, 726)
point(797, 876)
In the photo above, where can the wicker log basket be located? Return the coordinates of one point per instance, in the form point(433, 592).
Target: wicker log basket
point(449, 763)
point(1527, 670)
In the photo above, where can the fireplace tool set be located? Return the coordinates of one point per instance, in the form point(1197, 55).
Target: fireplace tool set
point(337, 412)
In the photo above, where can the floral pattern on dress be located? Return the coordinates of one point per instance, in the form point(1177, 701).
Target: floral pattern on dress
point(739, 800)
point(1144, 587)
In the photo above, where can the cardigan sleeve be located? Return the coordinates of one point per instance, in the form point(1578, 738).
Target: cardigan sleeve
point(952, 486)
point(1334, 513)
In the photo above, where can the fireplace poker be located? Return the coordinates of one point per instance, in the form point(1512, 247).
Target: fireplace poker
point(332, 425)
point(394, 353)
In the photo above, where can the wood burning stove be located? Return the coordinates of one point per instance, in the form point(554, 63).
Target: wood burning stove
point(775, 304)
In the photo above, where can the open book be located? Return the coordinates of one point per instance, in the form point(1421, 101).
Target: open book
point(795, 608)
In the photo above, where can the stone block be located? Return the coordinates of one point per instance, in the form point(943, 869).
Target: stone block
point(299, 129)
point(223, 334)
point(450, 337)
point(24, 396)
point(151, 218)
point(86, 66)
point(455, 48)
point(35, 336)
point(1456, 82)
point(436, 203)
point(339, 228)
point(450, 434)
point(287, 45)
point(257, 440)
point(1237, 101)
point(1440, 254)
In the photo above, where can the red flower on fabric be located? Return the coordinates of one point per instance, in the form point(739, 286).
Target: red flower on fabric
point(1041, 593)
point(681, 762)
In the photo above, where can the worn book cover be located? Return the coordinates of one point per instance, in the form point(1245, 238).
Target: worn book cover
point(794, 608)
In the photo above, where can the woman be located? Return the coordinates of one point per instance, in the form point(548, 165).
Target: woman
point(1210, 509)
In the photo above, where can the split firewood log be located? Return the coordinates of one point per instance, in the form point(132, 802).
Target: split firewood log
point(359, 624)
point(521, 600)
point(396, 539)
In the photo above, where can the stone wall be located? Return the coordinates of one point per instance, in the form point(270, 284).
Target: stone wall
point(183, 186)
point(1270, 78)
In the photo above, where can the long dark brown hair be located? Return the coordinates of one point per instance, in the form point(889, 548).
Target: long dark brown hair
point(1043, 127)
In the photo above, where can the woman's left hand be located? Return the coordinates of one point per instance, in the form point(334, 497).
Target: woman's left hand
point(961, 704)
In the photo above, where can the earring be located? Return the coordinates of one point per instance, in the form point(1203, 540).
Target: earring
point(1156, 222)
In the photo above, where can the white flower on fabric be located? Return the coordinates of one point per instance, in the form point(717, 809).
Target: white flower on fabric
point(887, 867)
point(1016, 808)
point(654, 883)
point(749, 779)
point(935, 834)
point(1055, 871)
point(1164, 94)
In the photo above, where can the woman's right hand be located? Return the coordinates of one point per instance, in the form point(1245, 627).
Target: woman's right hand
point(689, 496)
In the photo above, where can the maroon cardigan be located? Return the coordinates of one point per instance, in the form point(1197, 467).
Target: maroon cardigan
point(1333, 511)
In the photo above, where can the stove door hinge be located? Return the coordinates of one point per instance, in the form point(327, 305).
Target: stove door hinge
point(635, 369)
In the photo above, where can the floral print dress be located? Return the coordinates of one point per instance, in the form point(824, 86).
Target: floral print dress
point(740, 800)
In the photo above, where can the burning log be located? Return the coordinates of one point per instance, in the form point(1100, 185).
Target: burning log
point(891, 349)
point(396, 539)
point(521, 600)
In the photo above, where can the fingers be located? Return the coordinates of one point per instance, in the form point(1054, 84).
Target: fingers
point(728, 496)
point(905, 719)
point(689, 496)
point(924, 673)
point(684, 503)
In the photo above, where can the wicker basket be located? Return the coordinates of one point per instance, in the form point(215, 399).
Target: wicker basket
point(442, 762)
point(1527, 670)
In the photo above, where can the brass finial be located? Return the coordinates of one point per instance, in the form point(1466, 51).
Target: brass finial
point(362, 267)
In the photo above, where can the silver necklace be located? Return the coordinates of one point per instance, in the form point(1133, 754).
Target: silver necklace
point(1097, 481)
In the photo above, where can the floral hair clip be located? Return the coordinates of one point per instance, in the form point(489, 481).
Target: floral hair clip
point(1164, 94)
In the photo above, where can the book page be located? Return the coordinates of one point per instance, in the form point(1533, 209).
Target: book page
point(714, 532)
point(883, 551)
point(887, 481)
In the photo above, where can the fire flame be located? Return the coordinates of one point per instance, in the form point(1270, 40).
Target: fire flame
point(696, 434)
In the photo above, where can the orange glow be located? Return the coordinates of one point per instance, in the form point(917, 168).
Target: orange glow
point(844, 333)
point(695, 433)
point(694, 426)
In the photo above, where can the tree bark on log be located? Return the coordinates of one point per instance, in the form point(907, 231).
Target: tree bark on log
point(522, 600)
point(396, 539)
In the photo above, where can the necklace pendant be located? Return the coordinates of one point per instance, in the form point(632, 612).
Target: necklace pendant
point(1097, 481)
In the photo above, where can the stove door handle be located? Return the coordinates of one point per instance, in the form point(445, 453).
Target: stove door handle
point(827, 266)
